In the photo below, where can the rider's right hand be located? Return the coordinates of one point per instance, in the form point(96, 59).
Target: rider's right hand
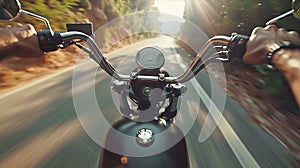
point(19, 40)
point(262, 39)
point(286, 60)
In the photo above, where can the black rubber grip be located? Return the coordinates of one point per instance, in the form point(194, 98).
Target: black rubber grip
point(49, 41)
point(237, 46)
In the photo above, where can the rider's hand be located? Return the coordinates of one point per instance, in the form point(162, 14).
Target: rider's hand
point(19, 40)
point(262, 39)
point(286, 60)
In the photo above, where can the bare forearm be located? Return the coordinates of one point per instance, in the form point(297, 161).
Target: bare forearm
point(288, 62)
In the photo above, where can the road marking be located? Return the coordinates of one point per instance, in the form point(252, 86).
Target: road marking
point(237, 146)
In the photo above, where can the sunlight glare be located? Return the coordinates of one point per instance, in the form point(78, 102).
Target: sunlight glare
point(173, 7)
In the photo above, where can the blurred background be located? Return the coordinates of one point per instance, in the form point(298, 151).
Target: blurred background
point(266, 97)
point(213, 17)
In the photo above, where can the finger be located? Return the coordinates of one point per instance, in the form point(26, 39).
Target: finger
point(27, 28)
point(282, 30)
point(271, 27)
point(256, 30)
point(8, 26)
point(294, 36)
point(30, 27)
point(291, 36)
point(17, 25)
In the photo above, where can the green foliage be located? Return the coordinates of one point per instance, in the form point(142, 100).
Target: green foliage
point(85, 4)
point(239, 16)
point(226, 16)
point(103, 38)
point(123, 6)
point(111, 11)
point(272, 80)
point(58, 12)
point(117, 8)
point(138, 5)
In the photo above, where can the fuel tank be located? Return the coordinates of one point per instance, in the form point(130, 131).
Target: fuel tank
point(131, 144)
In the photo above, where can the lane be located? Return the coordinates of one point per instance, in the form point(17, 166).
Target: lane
point(245, 138)
point(250, 145)
point(39, 125)
point(238, 148)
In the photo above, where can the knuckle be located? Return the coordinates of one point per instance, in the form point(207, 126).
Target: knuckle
point(8, 26)
point(293, 33)
point(18, 25)
point(282, 30)
point(270, 27)
point(257, 30)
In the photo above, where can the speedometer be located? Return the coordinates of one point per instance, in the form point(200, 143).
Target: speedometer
point(150, 58)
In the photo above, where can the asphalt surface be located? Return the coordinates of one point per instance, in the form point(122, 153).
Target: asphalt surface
point(39, 126)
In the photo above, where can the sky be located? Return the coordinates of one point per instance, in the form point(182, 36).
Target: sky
point(173, 7)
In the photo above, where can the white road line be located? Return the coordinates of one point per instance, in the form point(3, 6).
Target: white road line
point(237, 146)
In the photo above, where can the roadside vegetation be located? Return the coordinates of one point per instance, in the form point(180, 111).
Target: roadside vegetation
point(15, 70)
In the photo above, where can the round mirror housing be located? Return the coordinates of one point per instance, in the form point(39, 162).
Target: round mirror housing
point(9, 9)
point(296, 8)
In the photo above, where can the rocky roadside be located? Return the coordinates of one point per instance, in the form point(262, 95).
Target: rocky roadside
point(273, 109)
point(17, 64)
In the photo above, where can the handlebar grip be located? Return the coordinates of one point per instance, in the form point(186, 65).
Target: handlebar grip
point(237, 46)
point(48, 40)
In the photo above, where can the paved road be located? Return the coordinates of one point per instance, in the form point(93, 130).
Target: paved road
point(39, 126)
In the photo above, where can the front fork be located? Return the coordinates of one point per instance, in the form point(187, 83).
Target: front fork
point(172, 92)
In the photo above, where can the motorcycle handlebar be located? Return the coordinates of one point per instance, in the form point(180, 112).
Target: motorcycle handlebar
point(235, 48)
point(96, 55)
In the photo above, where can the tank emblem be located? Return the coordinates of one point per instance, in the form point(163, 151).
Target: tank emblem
point(145, 136)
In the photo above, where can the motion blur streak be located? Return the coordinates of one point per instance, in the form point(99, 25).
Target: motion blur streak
point(35, 150)
point(16, 120)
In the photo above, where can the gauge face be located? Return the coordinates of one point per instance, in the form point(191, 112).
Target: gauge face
point(150, 58)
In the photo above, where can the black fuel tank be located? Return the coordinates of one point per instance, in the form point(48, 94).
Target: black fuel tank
point(144, 145)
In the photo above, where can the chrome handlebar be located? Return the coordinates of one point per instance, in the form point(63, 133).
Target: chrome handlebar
point(99, 58)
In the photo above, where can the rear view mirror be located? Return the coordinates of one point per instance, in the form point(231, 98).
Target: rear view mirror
point(9, 9)
point(295, 11)
point(296, 8)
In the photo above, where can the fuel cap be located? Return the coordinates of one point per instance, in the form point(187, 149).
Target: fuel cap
point(145, 137)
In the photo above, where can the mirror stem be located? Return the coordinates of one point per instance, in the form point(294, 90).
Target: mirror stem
point(274, 20)
point(39, 18)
